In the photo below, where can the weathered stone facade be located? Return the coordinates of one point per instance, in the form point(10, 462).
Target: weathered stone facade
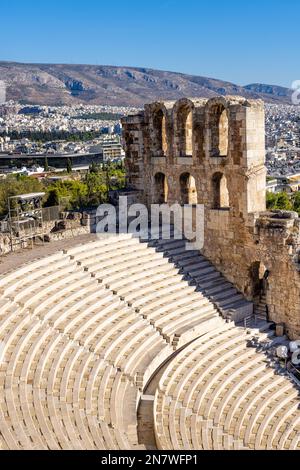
point(212, 152)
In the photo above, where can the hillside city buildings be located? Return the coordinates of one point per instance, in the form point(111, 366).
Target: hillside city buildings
point(283, 147)
point(282, 136)
point(21, 129)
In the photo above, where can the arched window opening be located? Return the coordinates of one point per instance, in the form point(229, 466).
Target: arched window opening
point(189, 134)
point(188, 191)
point(185, 131)
point(160, 189)
point(160, 146)
point(219, 132)
point(164, 135)
point(220, 191)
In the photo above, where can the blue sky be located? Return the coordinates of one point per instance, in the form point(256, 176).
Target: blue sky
point(242, 42)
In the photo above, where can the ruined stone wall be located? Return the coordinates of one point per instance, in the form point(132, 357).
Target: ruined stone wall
point(270, 241)
point(278, 247)
point(71, 224)
point(213, 152)
point(134, 142)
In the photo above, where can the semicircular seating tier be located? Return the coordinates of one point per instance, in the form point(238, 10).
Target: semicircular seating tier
point(220, 392)
point(81, 333)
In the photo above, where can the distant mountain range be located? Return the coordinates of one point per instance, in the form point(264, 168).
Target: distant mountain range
point(55, 84)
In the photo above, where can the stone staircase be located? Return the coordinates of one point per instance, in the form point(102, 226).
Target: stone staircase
point(200, 272)
point(260, 307)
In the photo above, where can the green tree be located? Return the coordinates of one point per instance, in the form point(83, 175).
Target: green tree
point(271, 200)
point(52, 198)
point(94, 168)
point(96, 188)
point(296, 202)
point(283, 202)
point(14, 185)
point(69, 165)
point(279, 201)
point(74, 193)
point(46, 165)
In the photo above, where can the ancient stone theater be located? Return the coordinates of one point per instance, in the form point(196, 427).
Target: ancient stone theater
point(123, 343)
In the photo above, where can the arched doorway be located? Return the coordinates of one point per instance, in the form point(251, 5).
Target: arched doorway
point(160, 195)
point(259, 275)
point(188, 191)
point(220, 191)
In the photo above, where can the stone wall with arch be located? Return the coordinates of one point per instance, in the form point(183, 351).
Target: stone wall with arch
point(160, 189)
point(188, 189)
point(226, 143)
point(183, 118)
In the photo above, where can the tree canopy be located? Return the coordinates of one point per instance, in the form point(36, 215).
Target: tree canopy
point(283, 201)
point(90, 191)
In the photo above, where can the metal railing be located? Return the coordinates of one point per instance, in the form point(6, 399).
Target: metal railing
point(294, 373)
point(51, 213)
point(4, 228)
point(248, 322)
